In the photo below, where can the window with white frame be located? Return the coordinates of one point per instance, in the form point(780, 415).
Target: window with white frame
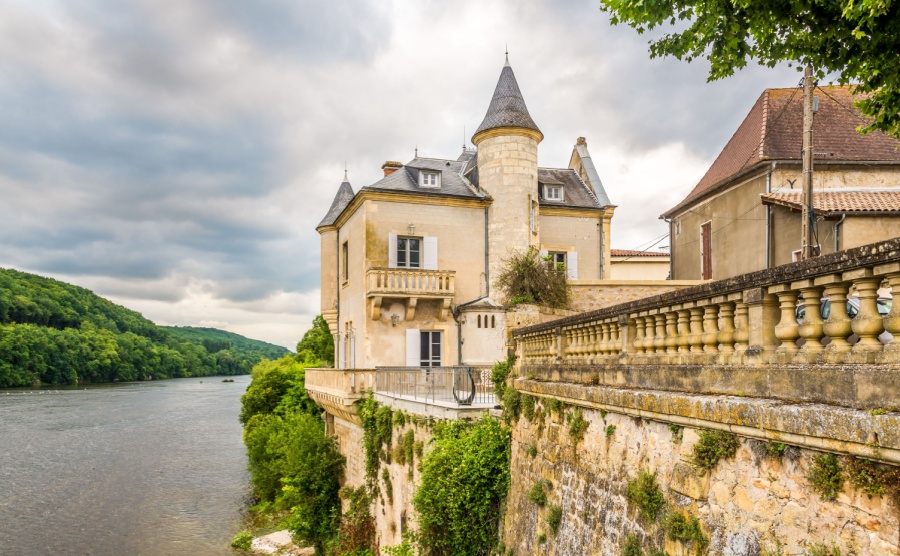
point(429, 179)
point(423, 348)
point(409, 252)
point(553, 193)
point(557, 260)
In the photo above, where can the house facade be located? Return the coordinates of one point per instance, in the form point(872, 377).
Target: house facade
point(745, 213)
point(408, 262)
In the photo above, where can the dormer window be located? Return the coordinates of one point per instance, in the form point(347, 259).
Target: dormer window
point(553, 193)
point(430, 179)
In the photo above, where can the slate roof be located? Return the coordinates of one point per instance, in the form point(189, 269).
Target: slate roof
point(576, 193)
point(836, 202)
point(406, 179)
point(635, 253)
point(592, 175)
point(341, 199)
point(507, 108)
point(773, 130)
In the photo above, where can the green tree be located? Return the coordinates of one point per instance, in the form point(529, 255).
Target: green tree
point(319, 341)
point(859, 39)
point(277, 387)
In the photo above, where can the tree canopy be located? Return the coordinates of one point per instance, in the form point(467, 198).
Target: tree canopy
point(858, 39)
point(319, 342)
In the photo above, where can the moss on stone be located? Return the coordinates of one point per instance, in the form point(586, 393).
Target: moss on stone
point(826, 476)
point(713, 446)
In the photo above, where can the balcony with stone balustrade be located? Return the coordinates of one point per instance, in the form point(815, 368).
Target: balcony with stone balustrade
point(410, 285)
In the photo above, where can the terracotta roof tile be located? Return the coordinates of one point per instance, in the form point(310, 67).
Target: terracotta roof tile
point(773, 130)
point(635, 253)
point(839, 201)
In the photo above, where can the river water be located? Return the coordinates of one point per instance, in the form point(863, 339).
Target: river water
point(151, 468)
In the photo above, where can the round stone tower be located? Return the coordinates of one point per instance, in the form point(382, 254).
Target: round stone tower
point(507, 142)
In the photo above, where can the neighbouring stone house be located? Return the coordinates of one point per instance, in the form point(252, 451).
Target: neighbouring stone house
point(744, 214)
point(407, 262)
point(630, 264)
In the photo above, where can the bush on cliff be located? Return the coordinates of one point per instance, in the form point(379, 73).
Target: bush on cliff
point(465, 477)
point(277, 387)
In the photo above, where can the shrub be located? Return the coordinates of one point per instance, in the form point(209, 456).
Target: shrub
point(277, 387)
point(816, 549)
point(826, 476)
point(632, 546)
point(499, 373)
point(532, 451)
point(528, 277)
point(419, 449)
point(527, 404)
point(677, 432)
point(644, 493)
point(775, 449)
point(242, 540)
point(399, 419)
point(555, 406)
point(554, 518)
point(384, 420)
point(610, 430)
point(406, 548)
point(465, 476)
point(680, 528)
point(388, 485)
point(537, 495)
point(541, 538)
point(873, 479)
point(357, 530)
point(511, 405)
point(713, 446)
point(577, 425)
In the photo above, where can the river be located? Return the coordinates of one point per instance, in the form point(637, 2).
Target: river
point(150, 468)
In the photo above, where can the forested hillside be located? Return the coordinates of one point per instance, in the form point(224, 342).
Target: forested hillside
point(56, 333)
point(216, 341)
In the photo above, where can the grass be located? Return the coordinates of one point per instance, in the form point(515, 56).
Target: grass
point(537, 494)
point(554, 518)
point(644, 493)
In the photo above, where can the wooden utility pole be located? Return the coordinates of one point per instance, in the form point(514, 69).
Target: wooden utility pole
point(808, 248)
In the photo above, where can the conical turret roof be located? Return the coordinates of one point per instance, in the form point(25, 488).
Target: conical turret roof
point(507, 107)
point(341, 199)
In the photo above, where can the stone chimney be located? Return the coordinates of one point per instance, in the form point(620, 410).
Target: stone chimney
point(581, 141)
point(390, 167)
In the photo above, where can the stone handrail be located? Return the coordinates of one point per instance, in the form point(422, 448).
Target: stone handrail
point(744, 320)
point(338, 390)
point(410, 282)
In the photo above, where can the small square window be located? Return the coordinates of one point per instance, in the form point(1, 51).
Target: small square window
point(553, 193)
point(430, 179)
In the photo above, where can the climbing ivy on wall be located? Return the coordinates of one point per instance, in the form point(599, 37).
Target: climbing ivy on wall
point(465, 477)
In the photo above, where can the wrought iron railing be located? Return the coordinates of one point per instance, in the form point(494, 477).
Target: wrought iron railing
point(451, 385)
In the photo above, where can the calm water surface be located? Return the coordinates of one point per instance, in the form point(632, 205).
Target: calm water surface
point(153, 468)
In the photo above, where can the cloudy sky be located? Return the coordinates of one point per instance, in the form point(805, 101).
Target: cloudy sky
point(176, 155)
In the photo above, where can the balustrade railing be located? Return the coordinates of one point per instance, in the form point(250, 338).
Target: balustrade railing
point(770, 316)
point(449, 385)
point(413, 282)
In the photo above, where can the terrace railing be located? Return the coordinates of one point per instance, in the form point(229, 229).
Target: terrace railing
point(463, 386)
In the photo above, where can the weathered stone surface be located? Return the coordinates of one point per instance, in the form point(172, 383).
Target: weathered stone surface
point(689, 480)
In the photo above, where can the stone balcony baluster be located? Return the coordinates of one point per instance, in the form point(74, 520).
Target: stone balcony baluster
point(726, 328)
point(868, 324)
point(659, 339)
point(615, 340)
point(711, 328)
point(787, 329)
point(604, 340)
point(696, 335)
point(741, 327)
point(649, 333)
point(837, 326)
point(684, 331)
point(637, 345)
point(892, 319)
point(812, 327)
point(671, 332)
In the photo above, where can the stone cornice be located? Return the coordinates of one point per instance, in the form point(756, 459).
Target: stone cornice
point(499, 131)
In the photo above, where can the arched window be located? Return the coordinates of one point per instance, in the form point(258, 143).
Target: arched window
point(479, 321)
point(493, 321)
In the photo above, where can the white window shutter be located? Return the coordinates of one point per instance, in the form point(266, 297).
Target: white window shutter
point(431, 255)
point(413, 348)
point(572, 265)
point(392, 250)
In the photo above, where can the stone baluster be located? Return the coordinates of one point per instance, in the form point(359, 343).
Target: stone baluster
point(649, 333)
point(787, 329)
point(812, 327)
point(711, 328)
point(868, 324)
point(659, 339)
point(741, 327)
point(696, 336)
point(837, 325)
point(684, 330)
point(638, 343)
point(725, 337)
point(615, 338)
point(671, 332)
point(892, 319)
point(604, 338)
